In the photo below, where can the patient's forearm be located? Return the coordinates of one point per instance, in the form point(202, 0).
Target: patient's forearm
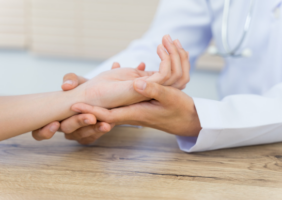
point(21, 114)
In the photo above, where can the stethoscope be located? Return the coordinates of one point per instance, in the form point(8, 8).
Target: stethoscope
point(227, 50)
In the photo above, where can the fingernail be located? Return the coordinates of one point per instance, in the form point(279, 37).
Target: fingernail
point(68, 82)
point(140, 84)
point(53, 128)
point(86, 121)
point(178, 44)
point(169, 38)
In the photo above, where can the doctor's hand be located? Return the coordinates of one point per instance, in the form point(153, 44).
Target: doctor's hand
point(171, 110)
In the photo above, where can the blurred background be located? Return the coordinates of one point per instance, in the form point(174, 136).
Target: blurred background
point(42, 40)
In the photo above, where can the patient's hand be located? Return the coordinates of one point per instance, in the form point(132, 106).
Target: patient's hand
point(114, 88)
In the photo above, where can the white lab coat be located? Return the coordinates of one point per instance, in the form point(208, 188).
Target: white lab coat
point(247, 115)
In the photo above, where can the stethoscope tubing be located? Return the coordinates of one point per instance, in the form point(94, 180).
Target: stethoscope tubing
point(227, 51)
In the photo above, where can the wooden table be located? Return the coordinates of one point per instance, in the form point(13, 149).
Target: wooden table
point(130, 163)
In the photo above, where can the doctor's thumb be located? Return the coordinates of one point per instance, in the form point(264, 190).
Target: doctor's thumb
point(71, 81)
point(150, 90)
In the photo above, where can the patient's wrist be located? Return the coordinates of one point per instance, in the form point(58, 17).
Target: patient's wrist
point(76, 95)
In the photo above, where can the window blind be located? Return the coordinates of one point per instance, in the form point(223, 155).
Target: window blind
point(13, 23)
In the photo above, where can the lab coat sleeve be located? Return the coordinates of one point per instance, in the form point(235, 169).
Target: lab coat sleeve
point(186, 20)
point(238, 120)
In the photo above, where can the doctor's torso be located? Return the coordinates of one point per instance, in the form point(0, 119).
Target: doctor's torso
point(258, 73)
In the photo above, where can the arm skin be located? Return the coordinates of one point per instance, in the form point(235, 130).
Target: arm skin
point(20, 114)
point(83, 127)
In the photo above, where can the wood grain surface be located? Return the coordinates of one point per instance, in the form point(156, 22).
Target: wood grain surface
point(130, 163)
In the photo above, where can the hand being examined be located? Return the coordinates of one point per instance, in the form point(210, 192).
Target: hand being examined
point(115, 88)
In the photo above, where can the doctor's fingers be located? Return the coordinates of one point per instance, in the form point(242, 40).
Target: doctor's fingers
point(176, 68)
point(185, 64)
point(71, 81)
point(47, 132)
point(76, 122)
point(170, 67)
point(89, 134)
point(165, 67)
point(113, 116)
